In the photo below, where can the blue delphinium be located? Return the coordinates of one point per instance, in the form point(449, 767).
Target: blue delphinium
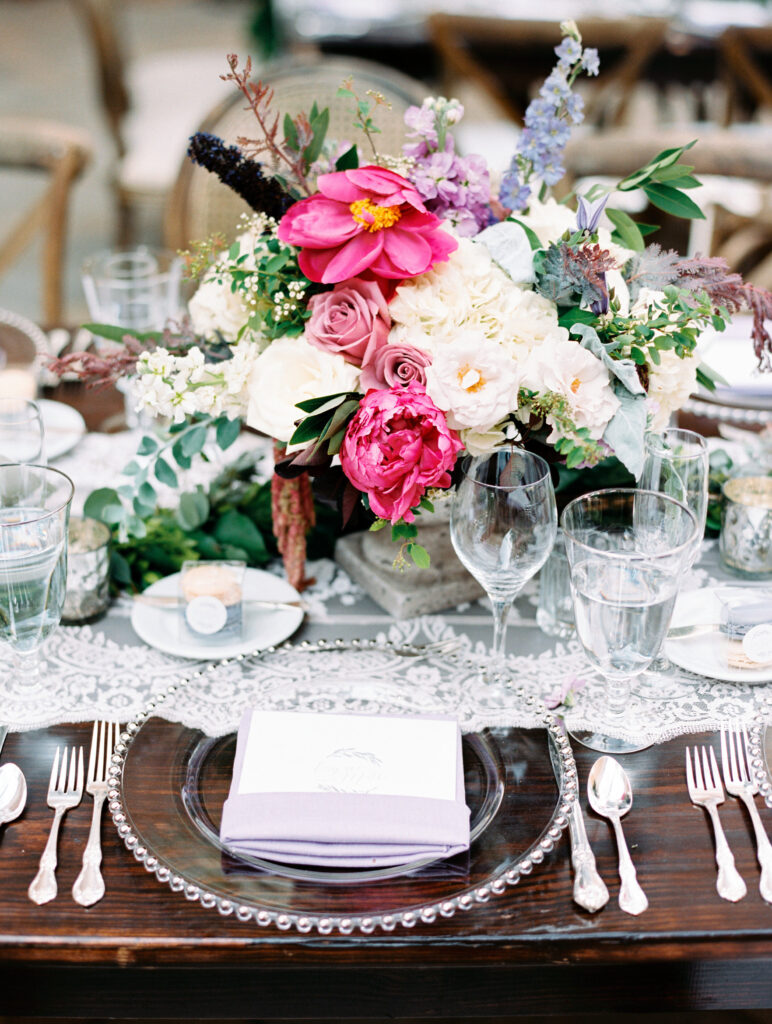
point(548, 122)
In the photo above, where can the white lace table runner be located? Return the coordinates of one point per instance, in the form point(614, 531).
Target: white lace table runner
point(105, 671)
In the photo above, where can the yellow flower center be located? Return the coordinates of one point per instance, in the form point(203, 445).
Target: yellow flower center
point(373, 217)
point(470, 379)
point(575, 385)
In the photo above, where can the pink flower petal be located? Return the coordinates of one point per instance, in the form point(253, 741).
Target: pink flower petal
point(353, 257)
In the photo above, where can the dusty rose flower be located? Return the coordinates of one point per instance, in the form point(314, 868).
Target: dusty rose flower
point(352, 320)
point(368, 218)
point(394, 364)
point(397, 445)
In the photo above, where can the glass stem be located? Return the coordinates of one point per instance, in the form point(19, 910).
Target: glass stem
point(27, 668)
point(617, 696)
point(500, 616)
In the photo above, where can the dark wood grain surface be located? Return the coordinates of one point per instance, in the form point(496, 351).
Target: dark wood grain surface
point(145, 951)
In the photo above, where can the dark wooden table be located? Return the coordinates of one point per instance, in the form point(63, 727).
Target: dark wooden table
point(144, 951)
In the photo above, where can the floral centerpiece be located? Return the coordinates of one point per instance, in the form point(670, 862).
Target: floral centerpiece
point(381, 314)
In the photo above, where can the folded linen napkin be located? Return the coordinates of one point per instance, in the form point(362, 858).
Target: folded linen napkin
point(346, 790)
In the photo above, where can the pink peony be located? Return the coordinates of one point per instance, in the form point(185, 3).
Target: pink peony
point(394, 364)
point(396, 446)
point(367, 219)
point(352, 320)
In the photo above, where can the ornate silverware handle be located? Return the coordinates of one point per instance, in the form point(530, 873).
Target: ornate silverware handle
point(763, 847)
point(43, 887)
point(89, 886)
point(632, 898)
point(729, 883)
point(590, 890)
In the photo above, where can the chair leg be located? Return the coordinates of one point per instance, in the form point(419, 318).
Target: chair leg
point(125, 225)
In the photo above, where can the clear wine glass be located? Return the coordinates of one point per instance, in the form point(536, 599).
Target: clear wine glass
point(21, 431)
point(627, 550)
point(676, 463)
point(34, 514)
point(503, 523)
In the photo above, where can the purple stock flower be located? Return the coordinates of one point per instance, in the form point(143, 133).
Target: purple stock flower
point(453, 187)
point(589, 212)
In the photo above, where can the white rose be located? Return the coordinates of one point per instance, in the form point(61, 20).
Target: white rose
point(565, 368)
point(290, 371)
point(670, 384)
point(216, 309)
point(548, 220)
point(474, 381)
point(481, 442)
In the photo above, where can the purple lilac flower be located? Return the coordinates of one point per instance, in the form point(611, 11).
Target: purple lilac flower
point(591, 61)
point(547, 122)
point(453, 187)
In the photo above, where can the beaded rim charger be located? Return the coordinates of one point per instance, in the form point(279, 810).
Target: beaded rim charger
point(461, 895)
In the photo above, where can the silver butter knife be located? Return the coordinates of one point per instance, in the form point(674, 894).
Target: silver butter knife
point(590, 890)
point(171, 602)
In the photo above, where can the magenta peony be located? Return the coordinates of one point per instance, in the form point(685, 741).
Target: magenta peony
point(367, 219)
point(352, 320)
point(396, 446)
point(394, 364)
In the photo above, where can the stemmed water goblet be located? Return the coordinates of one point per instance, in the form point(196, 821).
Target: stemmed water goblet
point(503, 523)
point(627, 550)
point(34, 513)
point(676, 463)
point(21, 431)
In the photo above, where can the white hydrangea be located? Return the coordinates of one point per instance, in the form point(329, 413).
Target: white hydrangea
point(469, 292)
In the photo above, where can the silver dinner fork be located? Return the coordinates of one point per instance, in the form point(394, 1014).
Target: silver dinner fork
point(62, 795)
point(739, 781)
point(707, 792)
point(89, 886)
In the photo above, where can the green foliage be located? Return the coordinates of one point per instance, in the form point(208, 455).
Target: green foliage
point(232, 519)
point(328, 427)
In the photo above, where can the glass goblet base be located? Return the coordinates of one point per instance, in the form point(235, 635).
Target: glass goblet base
point(606, 744)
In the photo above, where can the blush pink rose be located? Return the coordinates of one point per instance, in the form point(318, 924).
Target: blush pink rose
point(366, 219)
point(397, 445)
point(352, 320)
point(394, 364)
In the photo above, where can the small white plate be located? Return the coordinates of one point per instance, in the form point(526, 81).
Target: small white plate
point(706, 654)
point(63, 425)
point(162, 627)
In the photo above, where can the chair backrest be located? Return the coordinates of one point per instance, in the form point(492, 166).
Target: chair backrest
point(746, 55)
point(201, 205)
point(100, 19)
point(506, 56)
point(60, 153)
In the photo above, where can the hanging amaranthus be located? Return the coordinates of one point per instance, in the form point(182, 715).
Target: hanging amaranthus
point(292, 505)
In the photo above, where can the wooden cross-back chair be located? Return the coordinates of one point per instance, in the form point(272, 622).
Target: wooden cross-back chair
point(201, 205)
point(59, 153)
point(505, 56)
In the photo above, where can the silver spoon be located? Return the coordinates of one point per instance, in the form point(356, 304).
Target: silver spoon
point(611, 795)
point(13, 792)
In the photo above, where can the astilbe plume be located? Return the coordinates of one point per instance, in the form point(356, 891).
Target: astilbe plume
point(576, 274)
point(245, 176)
point(727, 290)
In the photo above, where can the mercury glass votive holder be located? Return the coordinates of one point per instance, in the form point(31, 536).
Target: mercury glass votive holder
point(88, 571)
point(746, 526)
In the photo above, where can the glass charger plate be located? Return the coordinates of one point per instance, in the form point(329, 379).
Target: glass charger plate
point(169, 781)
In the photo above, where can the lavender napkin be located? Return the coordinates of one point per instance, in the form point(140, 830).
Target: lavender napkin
point(342, 829)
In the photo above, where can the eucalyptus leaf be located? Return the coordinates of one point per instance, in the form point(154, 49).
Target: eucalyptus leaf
point(105, 505)
point(193, 510)
point(625, 432)
point(623, 369)
point(194, 440)
point(165, 474)
point(226, 432)
point(147, 446)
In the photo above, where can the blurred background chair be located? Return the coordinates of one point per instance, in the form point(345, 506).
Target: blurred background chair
point(55, 155)
point(152, 103)
point(201, 205)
